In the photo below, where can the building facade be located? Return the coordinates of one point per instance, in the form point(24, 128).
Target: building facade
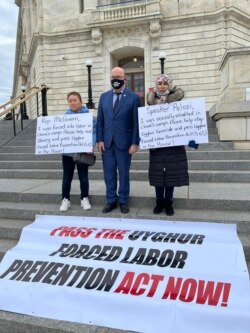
point(207, 46)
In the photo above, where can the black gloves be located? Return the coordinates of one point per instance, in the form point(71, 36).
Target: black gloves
point(193, 144)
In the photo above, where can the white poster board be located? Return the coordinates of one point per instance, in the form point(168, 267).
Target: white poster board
point(173, 124)
point(68, 133)
point(141, 275)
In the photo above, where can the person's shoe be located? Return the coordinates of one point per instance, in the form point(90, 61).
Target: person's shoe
point(160, 204)
point(85, 204)
point(64, 205)
point(109, 207)
point(169, 208)
point(124, 208)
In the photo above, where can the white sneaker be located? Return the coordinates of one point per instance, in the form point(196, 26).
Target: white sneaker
point(64, 205)
point(85, 204)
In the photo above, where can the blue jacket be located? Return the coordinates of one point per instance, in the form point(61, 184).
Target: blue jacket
point(122, 126)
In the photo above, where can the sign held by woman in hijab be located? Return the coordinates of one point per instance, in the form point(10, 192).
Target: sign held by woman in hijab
point(173, 124)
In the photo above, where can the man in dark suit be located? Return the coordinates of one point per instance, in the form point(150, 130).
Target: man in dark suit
point(117, 138)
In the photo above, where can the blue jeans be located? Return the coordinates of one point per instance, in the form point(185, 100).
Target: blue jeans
point(164, 192)
point(68, 174)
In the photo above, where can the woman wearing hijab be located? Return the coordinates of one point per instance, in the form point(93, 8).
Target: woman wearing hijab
point(168, 166)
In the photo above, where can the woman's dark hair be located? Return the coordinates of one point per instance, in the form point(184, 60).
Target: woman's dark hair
point(75, 93)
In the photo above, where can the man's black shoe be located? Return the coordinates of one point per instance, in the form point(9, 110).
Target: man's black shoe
point(109, 207)
point(124, 208)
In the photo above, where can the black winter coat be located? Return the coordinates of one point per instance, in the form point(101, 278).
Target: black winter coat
point(168, 166)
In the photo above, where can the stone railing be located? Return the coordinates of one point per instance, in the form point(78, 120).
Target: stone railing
point(123, 13)
point(128, 11)
point(112, 16)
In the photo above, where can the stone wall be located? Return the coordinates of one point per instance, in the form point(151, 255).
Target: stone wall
point(58, 39)
point(232, 111)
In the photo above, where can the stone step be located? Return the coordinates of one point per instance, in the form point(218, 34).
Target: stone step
point(214, 176)
point(18, 145)
point(219, 165)
point(9, 124)
point(29, 134)
point(27, 154)
point(6, 245)
point(136, 165)
point(217, 196)
point(219, 155)
point(19, 150)
point(3, 142)
point(7, 129)
point(32, 122)
point(28, 139)
point(192, 212)
point(17, 323)
point(30, 130)
point(218, 176)
point(10, 228)
point(27, 131)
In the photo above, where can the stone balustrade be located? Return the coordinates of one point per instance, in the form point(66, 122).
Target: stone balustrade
point(129, 11)
point(123, 13)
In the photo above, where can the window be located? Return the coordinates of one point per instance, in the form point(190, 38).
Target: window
point(81, 6)
point(103, 3)
point(135, 82)
point(131, 62)
point(134, 71)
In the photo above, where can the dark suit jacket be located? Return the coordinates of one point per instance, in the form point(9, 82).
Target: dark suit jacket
point(121, 126)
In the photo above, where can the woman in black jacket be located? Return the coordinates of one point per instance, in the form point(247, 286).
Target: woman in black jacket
point(168, 166)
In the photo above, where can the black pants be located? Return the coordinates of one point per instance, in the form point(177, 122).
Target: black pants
point(68, 173)
point(164, 192)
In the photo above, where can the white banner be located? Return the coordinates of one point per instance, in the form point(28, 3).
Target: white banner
point(173, 124)
point(68, 133)
point(141, 275)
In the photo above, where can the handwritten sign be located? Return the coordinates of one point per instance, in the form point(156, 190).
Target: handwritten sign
point(70, 133)
point(174, 124)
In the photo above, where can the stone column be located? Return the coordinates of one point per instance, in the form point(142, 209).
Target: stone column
point(155, 33)
point(90, 4)
point(232, 112)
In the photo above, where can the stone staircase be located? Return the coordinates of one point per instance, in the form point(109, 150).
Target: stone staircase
point(219, 191)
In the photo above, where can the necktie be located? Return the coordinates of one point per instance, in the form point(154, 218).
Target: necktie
point(116, 101)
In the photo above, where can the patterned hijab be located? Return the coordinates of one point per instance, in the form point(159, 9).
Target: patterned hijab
point(163, 78)
point(166, 78)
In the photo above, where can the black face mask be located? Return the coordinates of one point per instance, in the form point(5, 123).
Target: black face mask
point(116, 83)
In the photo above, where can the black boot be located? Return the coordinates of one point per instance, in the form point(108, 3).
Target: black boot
point(159, 206)
point(169, 208)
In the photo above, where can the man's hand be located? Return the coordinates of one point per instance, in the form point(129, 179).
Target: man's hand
point(100, 146)
point(133, 149)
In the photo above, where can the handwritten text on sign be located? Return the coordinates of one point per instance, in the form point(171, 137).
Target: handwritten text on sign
point(174, 124)
point(71, 133)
